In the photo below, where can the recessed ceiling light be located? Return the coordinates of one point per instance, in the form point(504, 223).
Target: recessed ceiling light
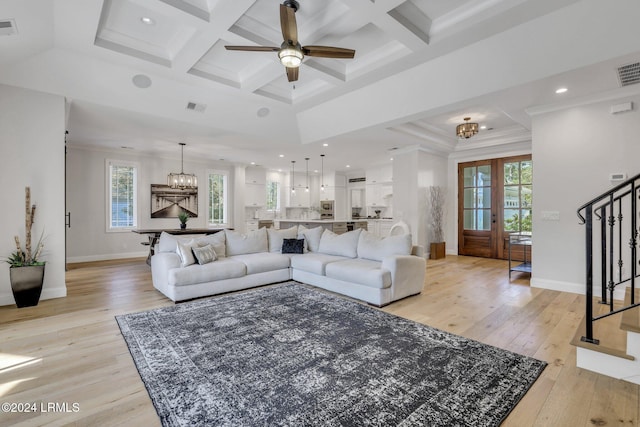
point(483, 127)
point(325, 145)
point(281, 155)
point(148, 21)
point(561, 90)
point(253, 163)
point(348, 166)
point(279, 170)
point(315, 171)
point(263, 112)
point(141, 81)
point(391, 158)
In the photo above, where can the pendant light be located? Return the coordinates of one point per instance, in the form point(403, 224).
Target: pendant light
point(182, 180)
point(306, 190)
point(293, 178)
point(322, 172)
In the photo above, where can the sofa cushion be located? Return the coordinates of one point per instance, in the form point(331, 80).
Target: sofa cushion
point(259, 263)
point(217, 240)
point(204, 254)
point(361, 271)
point(219, 270)
point(376, 248)
point(340, 244)
point(311, 237)
point(250, 243)
point(277, 236)
point(314, 262)
point(183, 249)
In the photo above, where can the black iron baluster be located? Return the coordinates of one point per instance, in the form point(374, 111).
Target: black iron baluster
point(589, 273)
point(603, 253)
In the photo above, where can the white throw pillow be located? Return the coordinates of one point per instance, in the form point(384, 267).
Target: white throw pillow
point(340, 244)
point(204, 254)
point(250, 243)
point(311, 237)
point(184, 251)
point(167, 243)
point(217, 240)
point(376, 248)
point(276, 237)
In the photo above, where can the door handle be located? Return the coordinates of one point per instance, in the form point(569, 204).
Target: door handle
point(493, 218)
point(68, 221)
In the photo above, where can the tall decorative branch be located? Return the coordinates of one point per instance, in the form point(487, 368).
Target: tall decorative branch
point(437, 197)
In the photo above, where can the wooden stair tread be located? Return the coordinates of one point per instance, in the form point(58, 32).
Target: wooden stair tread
point(613, 341)
point(630, 320)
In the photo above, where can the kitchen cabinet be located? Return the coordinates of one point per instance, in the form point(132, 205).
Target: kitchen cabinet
point(255, 195)
point(378, 194)
point(251, 225)
point(379, 175)
point(301, 198)
point(379, 227)
point(255, 187)
point(255, 175)
point(356, 198)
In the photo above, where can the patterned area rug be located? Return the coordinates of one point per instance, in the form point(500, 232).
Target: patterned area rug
point(292, 356)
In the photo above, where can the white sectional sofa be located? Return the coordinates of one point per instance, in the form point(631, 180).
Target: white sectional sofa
point(357, 264)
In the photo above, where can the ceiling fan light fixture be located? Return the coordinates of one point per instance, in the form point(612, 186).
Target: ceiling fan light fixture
point(467, 129)
point(290, 57)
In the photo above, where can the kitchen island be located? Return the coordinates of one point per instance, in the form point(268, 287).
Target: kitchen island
point(337, 226)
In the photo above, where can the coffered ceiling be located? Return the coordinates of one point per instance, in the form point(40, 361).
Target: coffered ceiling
point(146, 74)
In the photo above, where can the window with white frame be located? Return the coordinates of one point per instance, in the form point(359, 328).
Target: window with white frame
point(122, 195)
point(273, 195)
point(217, 205)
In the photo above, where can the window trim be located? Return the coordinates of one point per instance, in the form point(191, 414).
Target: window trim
point(226, 198)
point(108, 209)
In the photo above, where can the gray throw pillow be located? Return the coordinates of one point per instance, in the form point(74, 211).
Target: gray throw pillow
point(204, 254)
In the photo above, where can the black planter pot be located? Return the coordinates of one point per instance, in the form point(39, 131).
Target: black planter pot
point(26, 284)
point(183, 225)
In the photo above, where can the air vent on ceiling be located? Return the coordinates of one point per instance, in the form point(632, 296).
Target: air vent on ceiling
point(196, 107)
point(8, 27)
point(357, 179)
point(629, 74)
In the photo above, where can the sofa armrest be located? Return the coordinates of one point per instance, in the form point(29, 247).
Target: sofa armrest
point(417, 250)
point(161, 263)
point(407, 274)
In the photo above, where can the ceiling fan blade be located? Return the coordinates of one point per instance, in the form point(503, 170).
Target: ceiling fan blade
point(328, 52)
point(292, 73)
point(254, 48)
point(288, 24)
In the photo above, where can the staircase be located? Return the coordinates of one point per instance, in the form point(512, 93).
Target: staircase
point(608, 340)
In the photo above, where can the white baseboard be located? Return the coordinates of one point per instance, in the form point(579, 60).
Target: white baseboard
point(7, 299)
point(107, 257)
point(574, 288)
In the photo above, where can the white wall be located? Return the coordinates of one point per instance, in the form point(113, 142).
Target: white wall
point(414, 171)
point(32, 151)
point(574, 151)
point(88, 239)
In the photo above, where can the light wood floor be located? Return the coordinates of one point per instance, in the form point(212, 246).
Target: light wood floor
point(70, 350)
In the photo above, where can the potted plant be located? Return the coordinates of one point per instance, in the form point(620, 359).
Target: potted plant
point(183, 217)
point(26, 272)
point(437, 196)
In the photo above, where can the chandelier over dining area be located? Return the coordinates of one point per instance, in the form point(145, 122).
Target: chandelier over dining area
point(182, 180)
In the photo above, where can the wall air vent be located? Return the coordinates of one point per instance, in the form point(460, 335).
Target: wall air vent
point(193, 106)
point(629, 74)
point(357, 179)
point(8, 27)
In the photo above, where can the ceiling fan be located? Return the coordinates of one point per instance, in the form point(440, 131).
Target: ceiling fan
point(291, 52)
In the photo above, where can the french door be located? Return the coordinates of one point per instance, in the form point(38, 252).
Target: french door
point(494, 200)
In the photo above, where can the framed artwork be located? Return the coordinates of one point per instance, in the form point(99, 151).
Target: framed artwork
point(167, 202)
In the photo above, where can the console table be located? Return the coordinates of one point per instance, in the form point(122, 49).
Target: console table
point(154, 235)
point(523, 239)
